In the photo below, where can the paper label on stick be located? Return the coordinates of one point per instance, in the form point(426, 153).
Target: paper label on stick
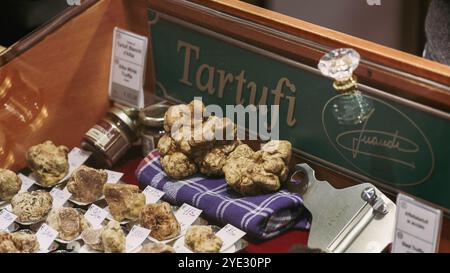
point(229, 235)
point(46, 235)
point(152, 195)
point(77, 157)
point(95, 215)
point(6, 219)
point(417, 227)
point(113, 177)
point(136, 237)
point(127, 68)
point(186, 216)
point(60, 197)
point(26, 183)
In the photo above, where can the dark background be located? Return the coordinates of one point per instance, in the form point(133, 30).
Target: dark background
point(18, 18)
point(395, 23)
point(399, 24)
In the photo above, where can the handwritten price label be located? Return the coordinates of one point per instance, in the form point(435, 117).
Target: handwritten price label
point(77, 157)
point(229, 235)
point(186, 215)
point(6, 219)
point(95, 215)
point(113, 177)
point(152, 195)
point(136, 237)
point(26, 183)
point(46, 235)
point(60, 197)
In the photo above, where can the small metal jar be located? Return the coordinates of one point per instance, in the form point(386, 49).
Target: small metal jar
point(151, 120)
point(112, 136)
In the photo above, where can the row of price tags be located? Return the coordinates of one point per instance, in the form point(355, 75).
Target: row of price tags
point(186, 215)
point(45, 235)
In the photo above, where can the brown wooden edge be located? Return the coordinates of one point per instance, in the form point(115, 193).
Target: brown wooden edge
point(39, 34)
point(393, 71)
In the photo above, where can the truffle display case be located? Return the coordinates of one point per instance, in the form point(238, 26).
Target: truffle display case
point(54, 83)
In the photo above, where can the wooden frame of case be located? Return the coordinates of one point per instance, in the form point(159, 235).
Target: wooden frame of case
point(61, 69)
point(79, 83)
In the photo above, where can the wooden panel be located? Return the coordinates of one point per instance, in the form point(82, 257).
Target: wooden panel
point(58, 88)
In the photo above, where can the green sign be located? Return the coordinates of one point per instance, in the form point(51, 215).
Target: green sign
point(401, 145)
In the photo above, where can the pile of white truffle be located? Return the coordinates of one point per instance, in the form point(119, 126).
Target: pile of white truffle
point(208, 145)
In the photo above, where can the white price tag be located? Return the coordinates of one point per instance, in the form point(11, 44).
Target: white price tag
point(113, 177)
point(229, 235)
point(95, 215)
point(136, 237)
point(127, 68)
point(418, 227)
point(60, 197)
point(46, 235)
point(186, 216)
point(26, 183)
point(6, 219)
point(77, 157)
point(152, 195)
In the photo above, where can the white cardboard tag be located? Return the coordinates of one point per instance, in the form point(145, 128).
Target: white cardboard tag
point(127, 68)
point(77, 157)
point(113, 177)
point(152, 195)
point(6, 219)
point(229, 235)
point(95, 215)
point(417, 228)
point(136, 237)
point(26, 183)
point(46, 235)
point(186, 216)
point(60, 197)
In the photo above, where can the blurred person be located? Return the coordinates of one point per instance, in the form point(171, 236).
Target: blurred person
point(437, 29)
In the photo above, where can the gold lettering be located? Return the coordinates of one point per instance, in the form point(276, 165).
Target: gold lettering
point(241, 80)
point(253, 89)
point(187, 59)
point(278, 91)
point(224, 79)
point(209, 86)
point(291, 120)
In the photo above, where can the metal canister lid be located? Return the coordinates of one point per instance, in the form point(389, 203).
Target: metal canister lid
point(153, 115)
point(123, 115)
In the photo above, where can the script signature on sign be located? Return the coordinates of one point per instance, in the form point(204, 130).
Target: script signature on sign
point(362, 140)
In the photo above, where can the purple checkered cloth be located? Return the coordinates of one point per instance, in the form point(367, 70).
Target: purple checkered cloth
point(262, 217)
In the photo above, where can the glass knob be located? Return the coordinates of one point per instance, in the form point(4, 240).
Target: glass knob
point(351, 107)
point(339, 64)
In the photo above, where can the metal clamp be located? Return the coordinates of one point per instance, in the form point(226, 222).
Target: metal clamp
point(354, 219)
point(370, 196)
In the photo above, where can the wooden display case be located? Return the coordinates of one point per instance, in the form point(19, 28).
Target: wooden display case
point(54, 86)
